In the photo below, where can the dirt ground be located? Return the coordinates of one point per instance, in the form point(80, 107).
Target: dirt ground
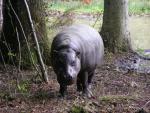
point(114, 92)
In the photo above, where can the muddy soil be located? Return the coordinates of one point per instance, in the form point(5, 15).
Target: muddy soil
point(115, 91)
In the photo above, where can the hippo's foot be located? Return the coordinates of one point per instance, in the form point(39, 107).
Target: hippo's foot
point(62, 95)
point(79, 87)
point(88, 93)
point(62, 91)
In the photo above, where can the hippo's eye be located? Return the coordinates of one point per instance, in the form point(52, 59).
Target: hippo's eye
point(73, 63)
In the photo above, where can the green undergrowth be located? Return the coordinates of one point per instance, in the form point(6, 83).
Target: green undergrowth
point(77, 6)
point(77, 109)
point(116, 98)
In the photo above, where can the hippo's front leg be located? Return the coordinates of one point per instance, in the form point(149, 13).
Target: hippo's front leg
point(79, 84)
point(63, 90)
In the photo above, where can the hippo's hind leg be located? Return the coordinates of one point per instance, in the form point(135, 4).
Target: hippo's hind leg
point(90, 76)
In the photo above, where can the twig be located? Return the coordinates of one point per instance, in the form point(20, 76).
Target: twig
point(19, 49)
point(97, 19)
point(43, 69)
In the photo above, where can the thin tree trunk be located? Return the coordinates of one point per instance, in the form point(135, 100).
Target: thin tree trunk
point(115, 26)
point(37, 11)
point(43, 69)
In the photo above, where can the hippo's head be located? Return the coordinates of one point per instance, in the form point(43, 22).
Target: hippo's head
point(68, 65)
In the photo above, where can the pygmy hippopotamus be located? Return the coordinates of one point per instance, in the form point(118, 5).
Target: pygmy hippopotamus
point(76, 51)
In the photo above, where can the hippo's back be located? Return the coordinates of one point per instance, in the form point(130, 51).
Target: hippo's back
point(84, 39)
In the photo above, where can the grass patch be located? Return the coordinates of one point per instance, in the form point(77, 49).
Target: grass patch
point(139, 6)
point(143, 53)
point(77, 5)
point(23, 86)
point(77, 109)
point(116, 98)
point(135, 6)
point(6, 96)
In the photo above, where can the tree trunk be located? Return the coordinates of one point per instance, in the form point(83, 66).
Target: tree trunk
point(11, 22)
point(8, 40)
point(37, 13)
point(115, 26)
point(43, 69)
point(1, 16)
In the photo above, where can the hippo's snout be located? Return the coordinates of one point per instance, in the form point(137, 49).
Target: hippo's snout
point(69, 80)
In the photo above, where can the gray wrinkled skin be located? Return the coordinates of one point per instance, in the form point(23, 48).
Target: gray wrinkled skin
point(75, 53)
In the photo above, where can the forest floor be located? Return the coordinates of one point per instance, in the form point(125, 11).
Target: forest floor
point(115, 91)
point(118, 86)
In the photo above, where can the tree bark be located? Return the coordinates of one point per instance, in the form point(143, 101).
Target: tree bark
point(18, 33)
point(1, 16)
point(115, 26)
point(37, 8)
point(43, 69)
point(8, 40)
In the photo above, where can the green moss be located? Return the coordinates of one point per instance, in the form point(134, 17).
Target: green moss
point(23, 86)
point(77, 109)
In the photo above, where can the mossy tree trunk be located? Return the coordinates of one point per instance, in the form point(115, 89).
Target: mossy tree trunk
point(115, 26)
point(37, 8)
